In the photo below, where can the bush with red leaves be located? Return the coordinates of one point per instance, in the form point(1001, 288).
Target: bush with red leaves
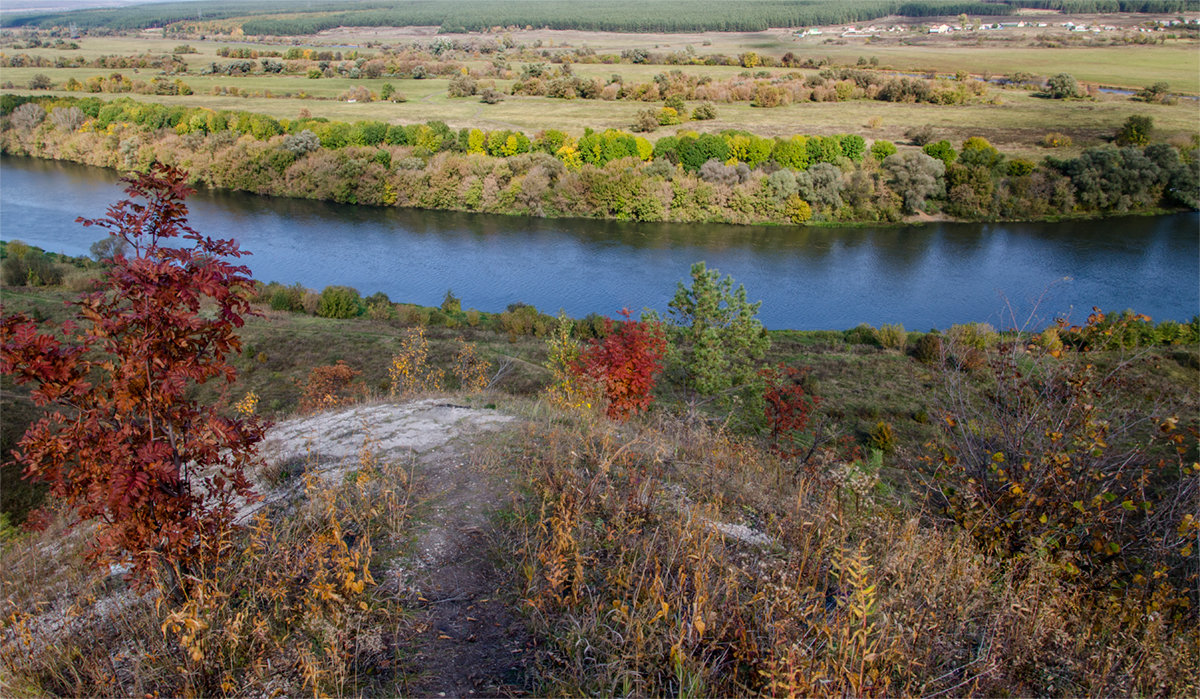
point(127, 446)
point(626, 363)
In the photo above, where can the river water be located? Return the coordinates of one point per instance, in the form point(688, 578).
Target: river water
point(924, 276)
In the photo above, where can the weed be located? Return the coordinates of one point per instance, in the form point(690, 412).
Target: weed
point(410, 371)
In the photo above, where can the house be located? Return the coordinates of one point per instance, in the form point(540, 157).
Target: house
point(940, 29)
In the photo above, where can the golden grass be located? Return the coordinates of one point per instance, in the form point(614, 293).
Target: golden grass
point(287, 605)
point(665, 556)
point(631, 575)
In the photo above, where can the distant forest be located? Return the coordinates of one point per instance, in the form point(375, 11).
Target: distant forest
point(279, 17)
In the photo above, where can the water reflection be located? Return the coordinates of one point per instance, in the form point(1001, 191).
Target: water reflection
point(922, 276)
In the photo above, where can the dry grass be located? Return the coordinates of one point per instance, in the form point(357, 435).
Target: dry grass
point(638, 593)
point(287, 605)
point(667, 556)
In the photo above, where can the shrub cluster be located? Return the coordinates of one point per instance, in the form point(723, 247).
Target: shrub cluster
point(601, 174)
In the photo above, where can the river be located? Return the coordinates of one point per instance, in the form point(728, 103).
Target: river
point(924, 276)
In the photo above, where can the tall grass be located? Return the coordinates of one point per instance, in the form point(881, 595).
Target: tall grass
point(637, 572)
point(288, 606)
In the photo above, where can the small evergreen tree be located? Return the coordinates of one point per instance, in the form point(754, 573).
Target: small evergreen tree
point(720, 337)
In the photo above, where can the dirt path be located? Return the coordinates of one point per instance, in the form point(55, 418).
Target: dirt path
point(470, 641)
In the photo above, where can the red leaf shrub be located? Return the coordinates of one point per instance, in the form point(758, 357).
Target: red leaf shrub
point(127, 446)
point(788, 408)
point(328, 387)
point(626, 363)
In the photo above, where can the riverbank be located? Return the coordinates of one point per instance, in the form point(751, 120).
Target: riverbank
point(871, 374)
point(734, 177)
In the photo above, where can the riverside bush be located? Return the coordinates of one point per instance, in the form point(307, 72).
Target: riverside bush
point(928, 349)
point(881, 149)
point(24, 266)
point(340, 302)
point(287, 298)
point(892, 337)
point(978, 336)
point(380, 308)
point(863, 334)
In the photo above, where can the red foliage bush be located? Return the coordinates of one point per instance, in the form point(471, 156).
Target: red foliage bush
point(788, 408)
point(128, 447)
point(626, 363)
point(328, 387)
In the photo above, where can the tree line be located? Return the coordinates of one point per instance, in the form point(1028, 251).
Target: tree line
point(620, 15)
point(1098, 6)
point(732, 176)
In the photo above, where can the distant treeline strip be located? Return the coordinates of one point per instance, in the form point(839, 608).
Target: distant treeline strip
point(623, 15)
point(1100, 6)
point(617, 15)
point(154, 15)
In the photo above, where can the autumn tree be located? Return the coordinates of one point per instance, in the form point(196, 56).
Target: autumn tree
point(126, 445)
point(28, 116)
point(915, 177)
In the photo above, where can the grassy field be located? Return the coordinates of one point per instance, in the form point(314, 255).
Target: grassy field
point(1015, 124)
point(1176, 61)
point(1015, 120)
point(1132, 67)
